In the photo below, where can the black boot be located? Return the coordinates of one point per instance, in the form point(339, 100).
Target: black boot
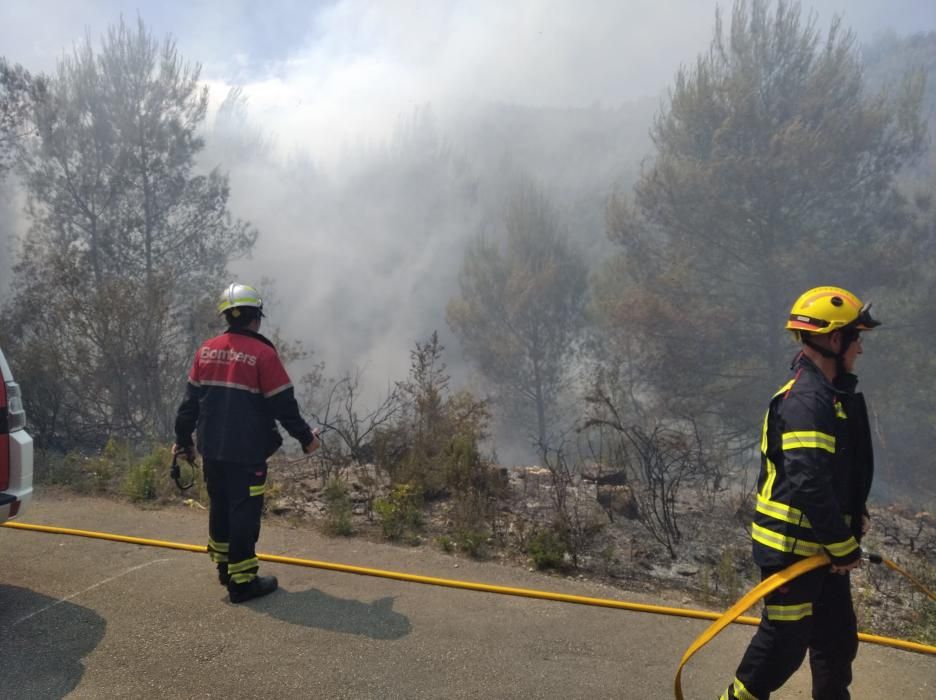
point(257, 587)
point(224, 578)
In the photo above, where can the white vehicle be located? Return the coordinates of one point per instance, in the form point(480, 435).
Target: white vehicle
point(16, 448)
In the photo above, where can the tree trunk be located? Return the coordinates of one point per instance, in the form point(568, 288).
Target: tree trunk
point(540, 408)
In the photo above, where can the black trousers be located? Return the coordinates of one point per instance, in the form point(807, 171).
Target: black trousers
point(813, 613)
point(236, 492)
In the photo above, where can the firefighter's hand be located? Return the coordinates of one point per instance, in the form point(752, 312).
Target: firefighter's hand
point(314, 445)
point(188, 452)
point(845, 568)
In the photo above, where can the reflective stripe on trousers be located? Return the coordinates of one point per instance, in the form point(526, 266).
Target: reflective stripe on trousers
point(812, 614)
point(236, 492)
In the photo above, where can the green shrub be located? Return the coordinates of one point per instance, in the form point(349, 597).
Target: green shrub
point(475, 487)
point(433, 443)
point(721, 582)
point(473, 543)
point(147, 477)
point(922, 609)
point(140, 483)
point(728, 580)
point(546, 549)
point(51, 467)
point(923, 622)
point(400, 512)
point(114, 460)
point(609, 558)
point(446, 543)
point(119, 469)
point(464, 468)
point(338, 520)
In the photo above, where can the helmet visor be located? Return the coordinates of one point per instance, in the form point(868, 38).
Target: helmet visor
point(865, 322)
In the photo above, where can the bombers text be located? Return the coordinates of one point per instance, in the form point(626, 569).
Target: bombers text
point(215, 355)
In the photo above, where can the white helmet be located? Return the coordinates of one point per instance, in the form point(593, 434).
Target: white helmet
point(240, 295)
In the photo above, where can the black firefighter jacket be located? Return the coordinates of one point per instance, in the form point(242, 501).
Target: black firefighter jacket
point(816, 470)
point(236, 389)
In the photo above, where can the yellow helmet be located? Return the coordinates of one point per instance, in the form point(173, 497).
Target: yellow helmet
point(239, 295)
point(826, 309)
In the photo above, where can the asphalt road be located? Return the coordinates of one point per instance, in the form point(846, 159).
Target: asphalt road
point(90, 619)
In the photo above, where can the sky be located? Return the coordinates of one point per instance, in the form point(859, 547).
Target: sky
point(364, 258)
point(321, 74)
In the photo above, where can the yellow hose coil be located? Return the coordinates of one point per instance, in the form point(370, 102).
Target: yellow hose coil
point(746, 601)
point(781, 578)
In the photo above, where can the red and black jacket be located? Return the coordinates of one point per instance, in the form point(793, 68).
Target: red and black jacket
point(236, 389)
point(816, 470)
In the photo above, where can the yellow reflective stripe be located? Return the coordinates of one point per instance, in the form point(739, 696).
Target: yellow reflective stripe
point(805, 548)
point(724, 696)
point(763, 438)
point(771, 477)
point(767, 488)
point(741, 692)
point(775, 540)
point(782, 512)
point(243, 565)
point(809, 439)
point(789, 613)
point(786, 513)
point(243, 578)
point(785, 388)
point(771, 469)
point(258, 490)
point(218, 551)
point(841, 549)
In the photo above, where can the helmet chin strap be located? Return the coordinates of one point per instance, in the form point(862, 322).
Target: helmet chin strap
point(848, 336)
point(825, 352)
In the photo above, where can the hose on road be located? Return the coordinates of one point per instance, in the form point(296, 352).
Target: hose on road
point(732, 615)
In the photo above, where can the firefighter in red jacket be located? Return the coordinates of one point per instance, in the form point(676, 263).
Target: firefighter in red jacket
point(816, 470)
point(237, 389)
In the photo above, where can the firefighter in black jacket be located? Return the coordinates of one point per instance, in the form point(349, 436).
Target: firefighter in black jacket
point(236, 389)
point(816, 470)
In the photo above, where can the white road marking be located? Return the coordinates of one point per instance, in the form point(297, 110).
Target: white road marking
point(89, 588)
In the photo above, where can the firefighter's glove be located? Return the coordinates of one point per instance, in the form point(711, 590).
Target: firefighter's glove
point(842, 565)
point(175, 472)
point(188, 452)
point(845, 568)
point(312, 446)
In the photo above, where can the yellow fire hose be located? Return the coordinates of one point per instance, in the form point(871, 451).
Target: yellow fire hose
point(733, 614)
point(746, 601)
point(781, 578)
